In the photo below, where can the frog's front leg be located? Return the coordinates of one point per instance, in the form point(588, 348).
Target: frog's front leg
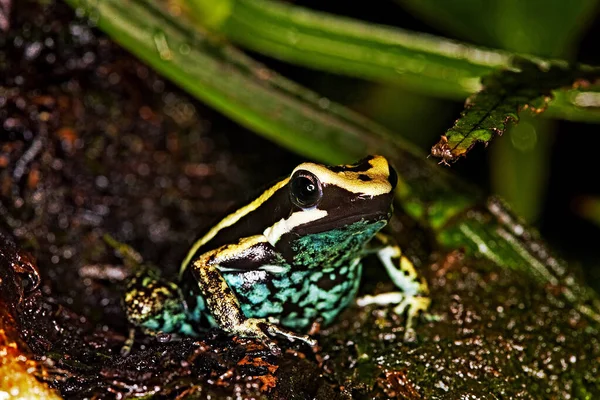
point(221, 301)
point(414, 297)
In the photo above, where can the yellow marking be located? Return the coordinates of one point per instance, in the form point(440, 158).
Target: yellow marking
point(424, 287)
point(161, 290)
point(230, 220)
point(379, 173)
point(283, 226)
point(393, 251)
point(224, 286)
point(385, 239)
point(407, 266)
point(229, 251)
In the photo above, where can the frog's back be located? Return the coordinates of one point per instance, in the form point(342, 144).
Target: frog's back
point(249, 220)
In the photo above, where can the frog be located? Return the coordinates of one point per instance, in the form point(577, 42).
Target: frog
point(289, 257)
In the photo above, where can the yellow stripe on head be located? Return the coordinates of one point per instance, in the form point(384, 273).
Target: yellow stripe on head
point(373, 182)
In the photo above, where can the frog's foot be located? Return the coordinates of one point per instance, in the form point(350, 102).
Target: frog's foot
point(411, 304)
point(258, 329)
point(274, 329)
point(261, 329)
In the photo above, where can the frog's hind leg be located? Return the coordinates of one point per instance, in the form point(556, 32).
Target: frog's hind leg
point(221, 301)
point(414, 297)
point(154, 304)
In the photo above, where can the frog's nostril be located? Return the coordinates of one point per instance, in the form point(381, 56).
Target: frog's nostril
point(393, 177)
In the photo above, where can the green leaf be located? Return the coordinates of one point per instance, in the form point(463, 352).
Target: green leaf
point(432, 65)
point(551, 28)
point(520, 163)
point(260, 99)
point(505, 94)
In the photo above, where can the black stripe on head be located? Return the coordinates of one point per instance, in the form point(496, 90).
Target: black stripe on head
point(360, 166)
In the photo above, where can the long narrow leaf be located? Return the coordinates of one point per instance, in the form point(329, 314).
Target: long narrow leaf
point(426, 63)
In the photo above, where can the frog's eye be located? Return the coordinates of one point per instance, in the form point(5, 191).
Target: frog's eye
point(305, 189)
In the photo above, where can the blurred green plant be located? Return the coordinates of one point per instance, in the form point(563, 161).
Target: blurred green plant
point(546, 28)
point(434, 65)
point(303, 121)
point(427, 64)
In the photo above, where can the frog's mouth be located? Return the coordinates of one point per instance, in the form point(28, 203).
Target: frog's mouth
point(329, 222)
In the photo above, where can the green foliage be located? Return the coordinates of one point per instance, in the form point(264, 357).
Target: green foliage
point(425, 63)
point(504, 95)
point(548, 28)
point(429, 65)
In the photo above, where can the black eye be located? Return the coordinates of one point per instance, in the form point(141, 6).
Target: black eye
point(305, 189)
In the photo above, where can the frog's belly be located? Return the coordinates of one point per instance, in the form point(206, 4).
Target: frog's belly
point(298, 298)
point(295, 299)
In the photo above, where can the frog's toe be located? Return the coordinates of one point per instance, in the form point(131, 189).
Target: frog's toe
point(262, 330)
point(412, 305)
point(258, 329)
point(272, 346)
point(410, 335)
point(291, 336)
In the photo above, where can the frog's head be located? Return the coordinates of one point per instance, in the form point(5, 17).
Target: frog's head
point(333, 198)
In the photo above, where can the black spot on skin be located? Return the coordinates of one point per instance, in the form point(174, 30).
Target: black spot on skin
point(227, 291)
point(365, 178)
point(326, 283)
point(255, 256)
point(289, 308)
point(361, 166)
point(213, 280)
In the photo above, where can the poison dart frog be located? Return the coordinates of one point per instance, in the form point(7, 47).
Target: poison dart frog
point(285, 259)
